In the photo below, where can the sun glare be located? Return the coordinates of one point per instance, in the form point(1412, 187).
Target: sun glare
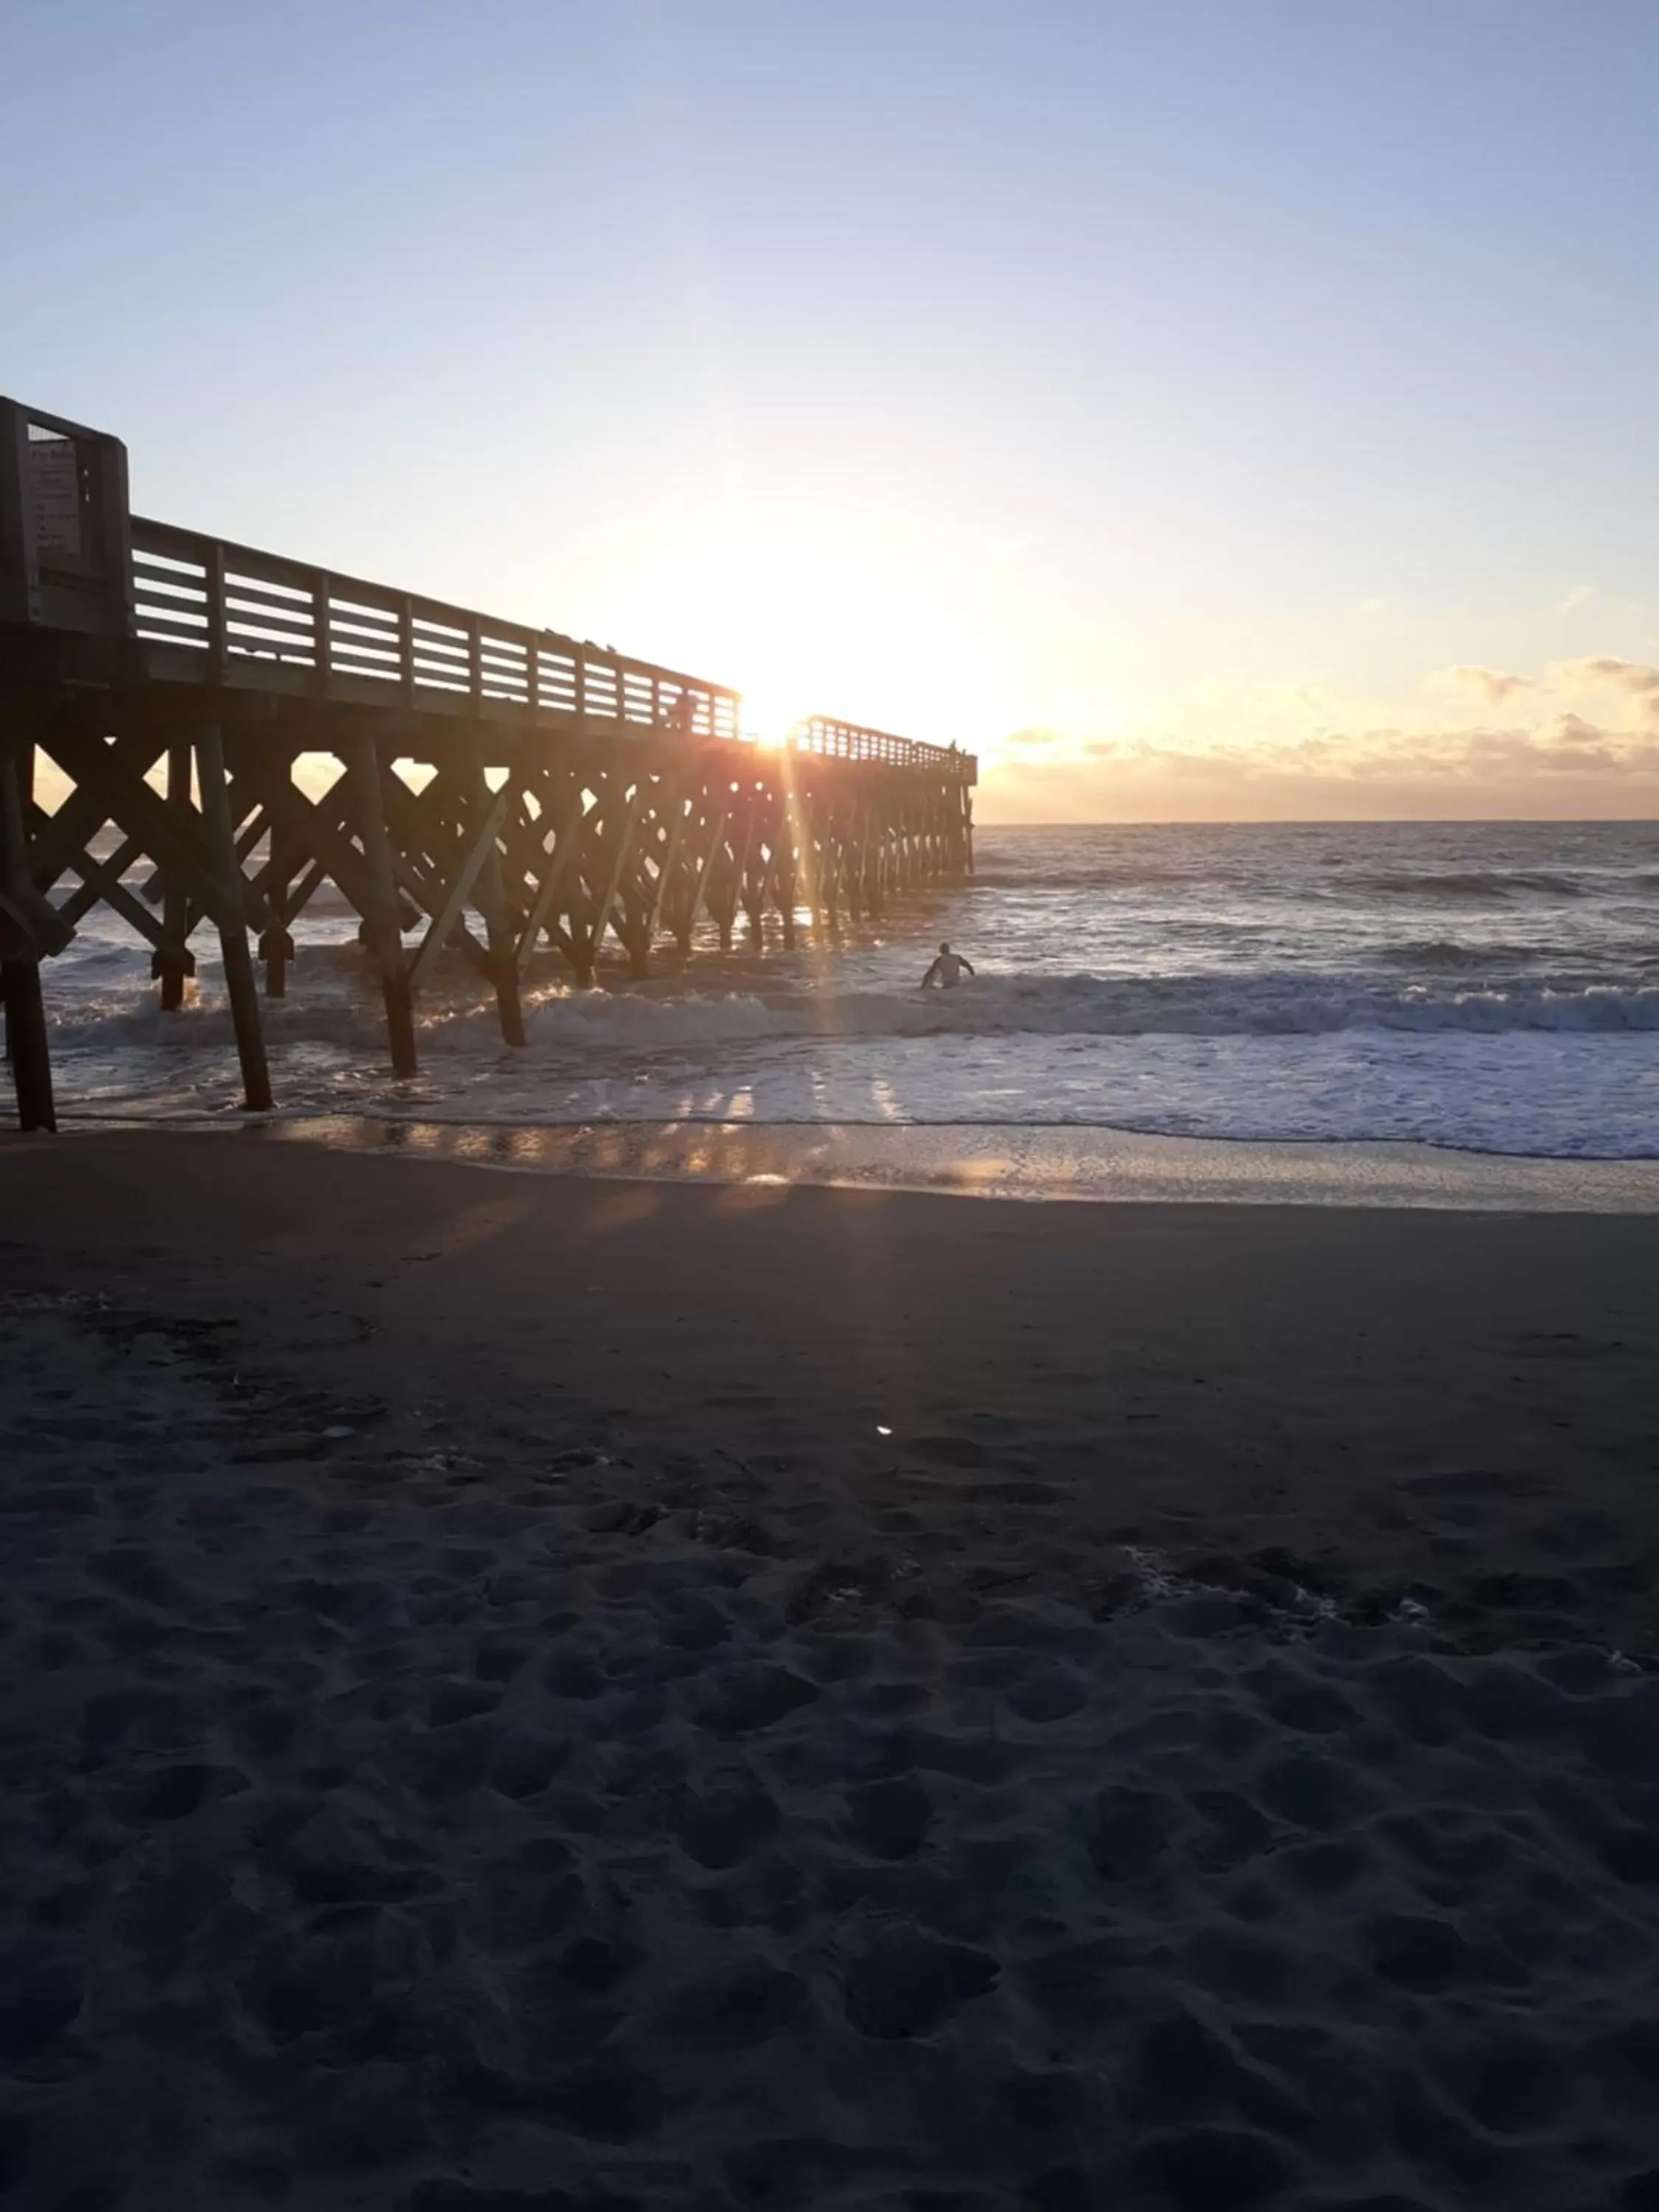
point(832, 614)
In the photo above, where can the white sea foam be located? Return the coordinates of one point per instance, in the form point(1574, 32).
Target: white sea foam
point(1286, 1004)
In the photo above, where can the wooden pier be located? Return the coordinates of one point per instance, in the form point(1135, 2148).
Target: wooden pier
point(495, 788)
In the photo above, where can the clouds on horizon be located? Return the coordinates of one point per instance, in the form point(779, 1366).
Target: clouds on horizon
point(1598, 728)
point(1567, 744)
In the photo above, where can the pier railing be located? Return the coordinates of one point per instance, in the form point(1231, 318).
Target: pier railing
point(225, 613)
point(248, 617)
point(848, 741)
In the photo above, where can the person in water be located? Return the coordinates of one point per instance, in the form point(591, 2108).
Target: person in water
point(947, 970)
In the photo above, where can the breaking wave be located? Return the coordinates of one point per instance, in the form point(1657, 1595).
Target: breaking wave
point(1285, 1004)
point(1327, 877)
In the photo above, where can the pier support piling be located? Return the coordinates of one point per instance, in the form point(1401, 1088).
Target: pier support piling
point(27, 1044)
point(363, 766)
point(239, 987)
point(492, 904)
point(172, 963)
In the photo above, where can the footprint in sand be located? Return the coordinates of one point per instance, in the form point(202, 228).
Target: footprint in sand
point(720, 1829)
point(904, 1983)
point(890, 1820)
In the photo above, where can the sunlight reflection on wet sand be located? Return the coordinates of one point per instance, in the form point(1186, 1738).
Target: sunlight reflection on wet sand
point(765, 1160)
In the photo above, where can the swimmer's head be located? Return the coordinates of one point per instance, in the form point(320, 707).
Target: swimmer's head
point(945, 948)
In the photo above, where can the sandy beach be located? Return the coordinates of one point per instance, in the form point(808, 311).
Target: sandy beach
point(523, 1693)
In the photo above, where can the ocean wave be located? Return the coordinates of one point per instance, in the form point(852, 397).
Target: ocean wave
point(590, 1026)
point(1327, 875)
point(1104, 876)
point(1474, 883)
point(1429, 955)
point(1283, 1004)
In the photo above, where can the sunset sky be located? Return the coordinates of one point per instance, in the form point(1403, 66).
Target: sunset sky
point(1200, 408)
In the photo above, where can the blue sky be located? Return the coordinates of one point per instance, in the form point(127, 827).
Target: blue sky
point(1167, 400)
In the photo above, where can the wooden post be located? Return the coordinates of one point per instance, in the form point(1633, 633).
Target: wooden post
point(363, 766)
point(667, 816)
point(276, 942)
point(624, 838)
point(275, 950)
point(590, 862)
point(829, 867)
point(726, 913)
point(28, 1047)
point(785, 886)
point(233, 940)
point(670, 859)
point(809, 863)
point(752, 890)
point(492, 895)
point(174, 968)
point(557, 872)
point(700, 886)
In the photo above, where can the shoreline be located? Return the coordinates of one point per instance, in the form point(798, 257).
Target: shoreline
point(1039, 1163)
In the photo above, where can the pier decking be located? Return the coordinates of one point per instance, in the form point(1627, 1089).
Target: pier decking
point(496, 787)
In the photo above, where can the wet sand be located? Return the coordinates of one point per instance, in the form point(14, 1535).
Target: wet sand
point(1009, 1160)
point(533, 1692)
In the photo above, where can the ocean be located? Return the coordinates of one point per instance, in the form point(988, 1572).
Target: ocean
point(1492, 987)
